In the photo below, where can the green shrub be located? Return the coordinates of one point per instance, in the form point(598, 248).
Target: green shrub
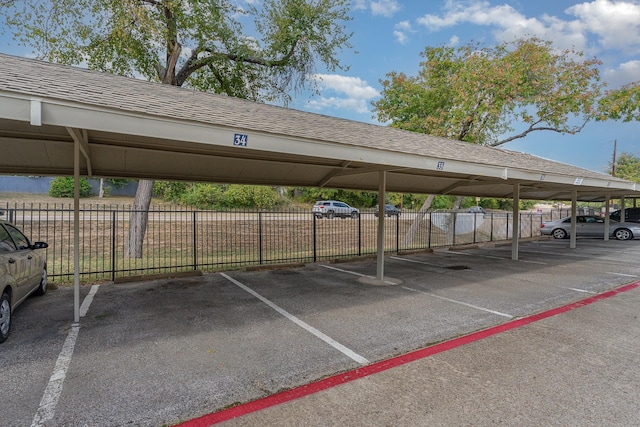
point(251, 196)
point(63, 186)
point(203, 196)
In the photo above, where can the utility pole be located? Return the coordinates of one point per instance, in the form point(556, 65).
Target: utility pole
point(613, 164)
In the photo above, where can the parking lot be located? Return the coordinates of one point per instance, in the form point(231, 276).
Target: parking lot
point(168, 351)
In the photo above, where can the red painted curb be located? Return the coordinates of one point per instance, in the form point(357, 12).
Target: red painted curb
point(374, 368)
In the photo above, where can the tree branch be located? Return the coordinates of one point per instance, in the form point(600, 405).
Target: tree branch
point(532, 128)
point(194, 63)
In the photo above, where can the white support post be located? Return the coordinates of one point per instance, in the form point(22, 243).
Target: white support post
point(516, 222)
point(574, 206)
point(622, 209)
point(76, 232)
point(382, 185)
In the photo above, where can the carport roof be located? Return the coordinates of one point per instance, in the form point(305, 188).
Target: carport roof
point(137, 129)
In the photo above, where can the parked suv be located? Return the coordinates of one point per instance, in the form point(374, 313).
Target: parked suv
point(333, 208)
point(389, 210)
point(630, 215)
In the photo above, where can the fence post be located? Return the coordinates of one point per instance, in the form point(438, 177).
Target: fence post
point(114, 218)
point(430, 229)
point(260, 235)
point(397, 233)
point(195, 242)
point(455, 215)
point(475, 223)
point(507, 226)
point(359, 235)
point(315, 242)
point(491, 231)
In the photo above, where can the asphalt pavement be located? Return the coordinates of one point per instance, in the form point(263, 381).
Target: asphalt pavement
point(468, 337)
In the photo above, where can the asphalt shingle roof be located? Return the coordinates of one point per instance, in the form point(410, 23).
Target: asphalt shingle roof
point(91, 88)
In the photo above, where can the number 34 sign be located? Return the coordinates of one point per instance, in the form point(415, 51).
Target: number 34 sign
point(240, 139)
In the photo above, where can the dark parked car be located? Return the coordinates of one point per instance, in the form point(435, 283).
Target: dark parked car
point(23, 271)
point(389, 210)
point(630, 215)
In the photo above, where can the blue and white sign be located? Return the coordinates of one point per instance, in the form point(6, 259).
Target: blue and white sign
point(240, 140)
point(440, 166)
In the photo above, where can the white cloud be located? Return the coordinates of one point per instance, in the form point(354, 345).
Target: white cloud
point(360, 4)
point(627, 72)
point(454, 40)
point(384, 7)
point(401, 31)
point(378, 7)
point(352, 93)
point(616, 24)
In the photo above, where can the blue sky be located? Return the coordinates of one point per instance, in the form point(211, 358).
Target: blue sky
point(390, 34)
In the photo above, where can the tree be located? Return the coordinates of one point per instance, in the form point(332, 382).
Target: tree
point(202, 44)
point(477, 94)
point(621, 104)
point(628, 167)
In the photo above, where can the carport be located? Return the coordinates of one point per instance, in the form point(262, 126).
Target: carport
point(60, 120)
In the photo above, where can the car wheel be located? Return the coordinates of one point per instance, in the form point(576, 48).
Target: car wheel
point(354, 215)
point(42, 288)
point(559, 233)
point(623, 234)
point(331, 215)
point(5, 316)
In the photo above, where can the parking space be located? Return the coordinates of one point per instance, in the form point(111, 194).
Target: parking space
point(166, 351)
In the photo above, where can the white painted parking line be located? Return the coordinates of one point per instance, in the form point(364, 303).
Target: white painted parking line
point(623, 275)
point(88, 300)
point(459, 302)
point(47, 407)
point(350, 353)
point(496, 257)
point(354, 273)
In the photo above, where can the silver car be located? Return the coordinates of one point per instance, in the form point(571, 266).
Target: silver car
point(591, 226)
point(334, 208)
point(23, 271)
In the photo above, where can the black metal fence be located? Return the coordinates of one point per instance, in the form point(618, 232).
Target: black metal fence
point(182, 239)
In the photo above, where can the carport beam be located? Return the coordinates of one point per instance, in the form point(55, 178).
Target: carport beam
point(382, 185)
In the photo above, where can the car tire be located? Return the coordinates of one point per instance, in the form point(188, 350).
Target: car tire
point(5, 316)
point(559, 233)
point(623, 234)
point(42, 287)
point(331, 215)
point(355, 215)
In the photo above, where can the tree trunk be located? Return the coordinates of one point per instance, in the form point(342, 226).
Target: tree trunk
point(408, 238)
point(101, 189)
point(138, 219)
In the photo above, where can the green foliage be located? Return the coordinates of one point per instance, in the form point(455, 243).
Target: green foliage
point(621, 104)
point(63, 186)
point(475, 94)
point(251, 196)
point(202, 196)
point(198, 43)
point(169, 191)
point(628, 167)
